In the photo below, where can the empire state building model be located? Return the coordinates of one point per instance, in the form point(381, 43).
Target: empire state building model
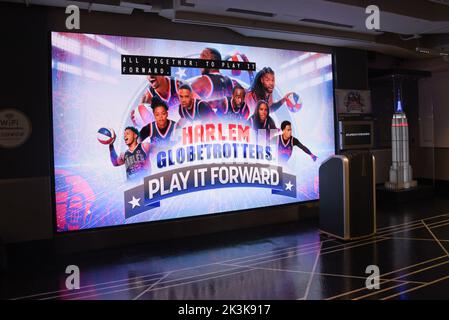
point(401, 176)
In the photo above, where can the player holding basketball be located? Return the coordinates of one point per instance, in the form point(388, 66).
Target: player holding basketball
point(286, 142)
point(162, 130)
point(212, 85)
point(234, 107)
point(192, 109)
point(135, 158)
point(262, 89)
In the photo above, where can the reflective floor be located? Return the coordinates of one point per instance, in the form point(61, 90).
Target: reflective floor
point(279, 262)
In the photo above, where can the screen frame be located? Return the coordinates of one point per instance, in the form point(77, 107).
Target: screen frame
point(58, 234)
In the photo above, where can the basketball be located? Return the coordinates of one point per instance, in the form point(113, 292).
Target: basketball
point(237, 57)
point(142, 115)
point(294, 102)
point(106, 136)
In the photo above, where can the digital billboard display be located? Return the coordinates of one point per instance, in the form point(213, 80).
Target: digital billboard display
point(147, 130)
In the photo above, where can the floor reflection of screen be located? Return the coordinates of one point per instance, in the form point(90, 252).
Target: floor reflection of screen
point(132, 148)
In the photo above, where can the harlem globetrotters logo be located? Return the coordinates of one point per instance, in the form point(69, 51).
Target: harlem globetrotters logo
point(211, 156)
point(354, 102)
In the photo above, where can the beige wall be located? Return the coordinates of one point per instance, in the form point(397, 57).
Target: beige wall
point(434, 120)
point(434, 109)
point(433, 156)
point(421, 160)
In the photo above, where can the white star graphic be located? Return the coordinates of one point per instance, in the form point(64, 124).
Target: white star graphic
point(288, 186)
point(134, 202)
point(181, 73)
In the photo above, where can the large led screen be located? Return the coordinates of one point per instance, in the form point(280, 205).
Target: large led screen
point(147, 130)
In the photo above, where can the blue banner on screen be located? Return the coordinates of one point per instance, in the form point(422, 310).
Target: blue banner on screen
point(149, 129)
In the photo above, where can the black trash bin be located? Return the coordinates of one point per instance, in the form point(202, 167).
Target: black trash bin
point(348, 195)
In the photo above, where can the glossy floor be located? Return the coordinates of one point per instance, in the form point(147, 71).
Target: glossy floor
point(279, 262)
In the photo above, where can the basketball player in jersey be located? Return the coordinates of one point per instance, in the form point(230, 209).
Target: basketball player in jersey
point(261, 117)
point(212, 85)
point(192, 109)
point(161, 131)
point(286, 142)
point(135, 158)
point(262, 89)
point(234, 108)
point(162, 87)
